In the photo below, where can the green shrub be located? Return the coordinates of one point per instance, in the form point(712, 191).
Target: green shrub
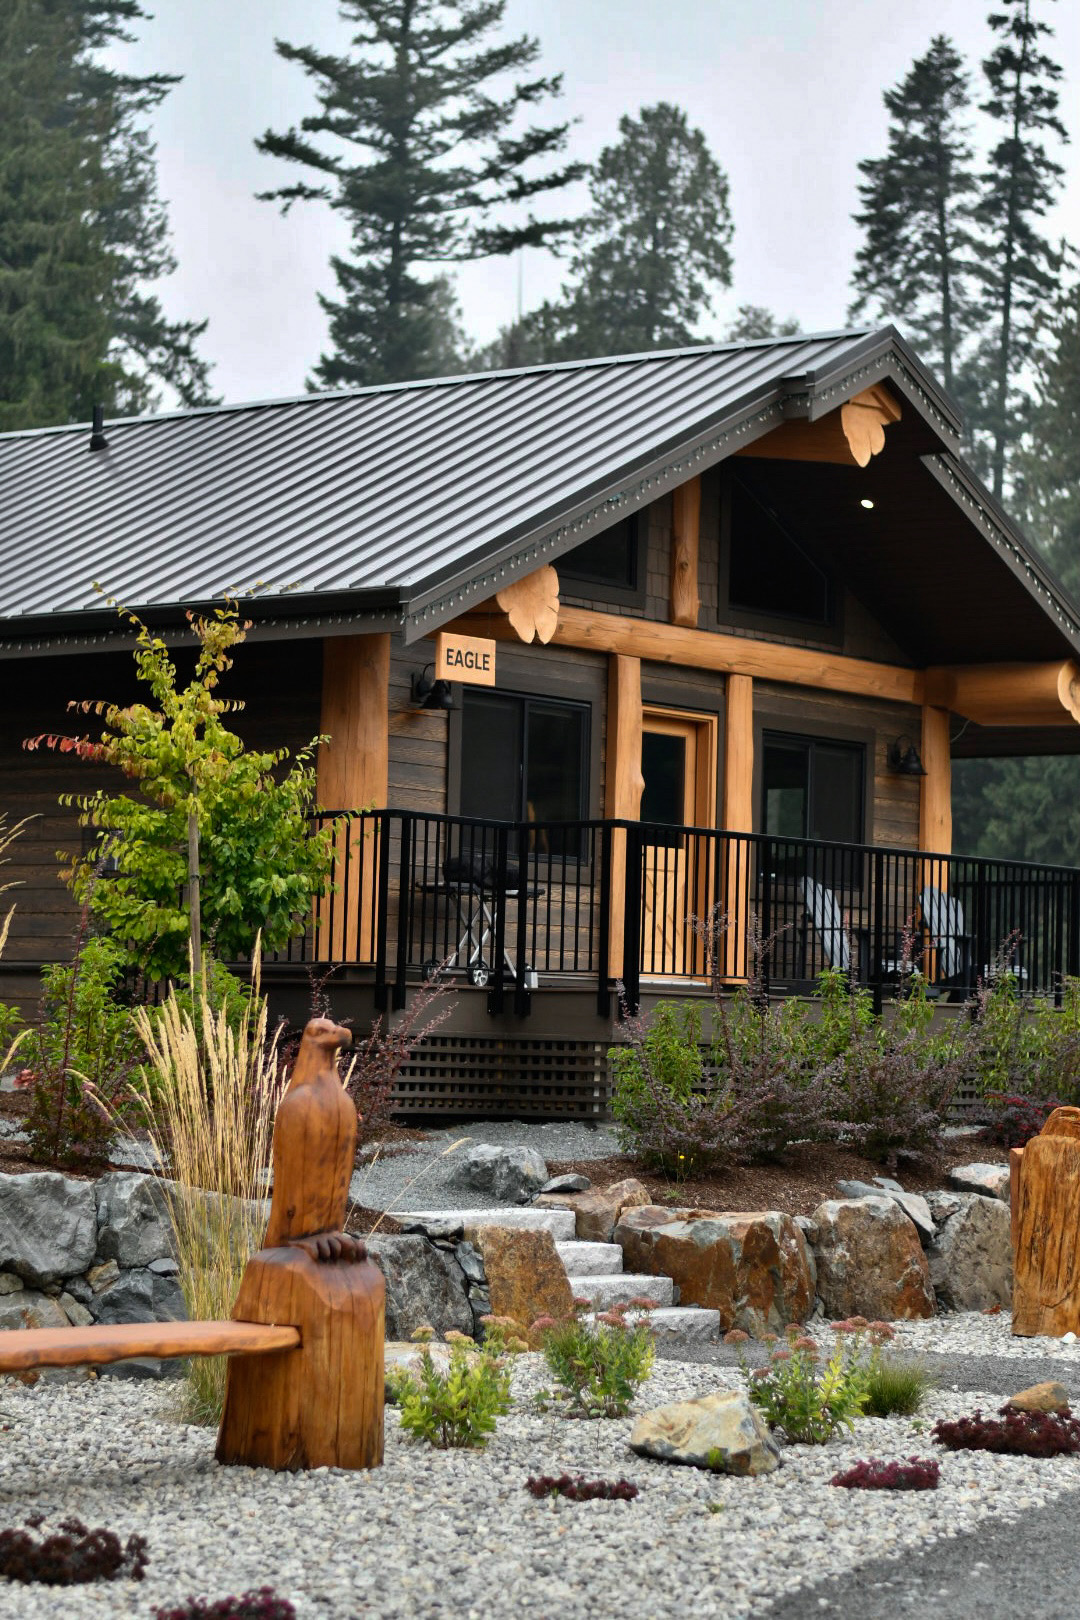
point(598, 1366)
point(807, 1399)
point(896, 1387)
point(456, 1408)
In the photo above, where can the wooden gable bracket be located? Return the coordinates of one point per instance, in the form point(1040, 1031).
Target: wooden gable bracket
point(848, 436)
point(532, 604)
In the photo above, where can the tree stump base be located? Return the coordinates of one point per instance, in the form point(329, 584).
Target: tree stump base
point(320, 1405)
point(1046, 1216)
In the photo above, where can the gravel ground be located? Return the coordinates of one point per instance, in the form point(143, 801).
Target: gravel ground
point(419, 1180)
point(455, 1534)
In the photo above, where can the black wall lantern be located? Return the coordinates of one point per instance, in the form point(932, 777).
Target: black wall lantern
point(905, 761)
point(428, 693)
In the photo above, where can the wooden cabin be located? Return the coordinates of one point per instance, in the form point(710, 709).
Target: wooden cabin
point(603, 649)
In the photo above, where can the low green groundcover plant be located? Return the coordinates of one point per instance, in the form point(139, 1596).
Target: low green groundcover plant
point(457, 1408)
point(896, 1387)
point(261, 1604)
point(576, 1488)
point(1013, 1434)
point(70, 1555)
point(915, 1474)
point(598, 1365)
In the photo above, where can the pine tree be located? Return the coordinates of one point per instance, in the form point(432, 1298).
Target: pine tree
point(654, 246)
point(82, 230)
point(753, 322)
point(1047, 465)
point(915, 263)
point(1019, 268)
point(416, 147)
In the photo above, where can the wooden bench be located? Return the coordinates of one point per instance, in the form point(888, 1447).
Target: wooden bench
point(304, 1387)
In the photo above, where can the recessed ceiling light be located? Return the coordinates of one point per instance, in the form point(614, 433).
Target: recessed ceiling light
point(866, 504)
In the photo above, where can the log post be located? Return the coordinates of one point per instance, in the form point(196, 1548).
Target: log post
point(737, 816)
point(685, 532)
point(353, 769)
point(1046, 1280)
point(624, 784)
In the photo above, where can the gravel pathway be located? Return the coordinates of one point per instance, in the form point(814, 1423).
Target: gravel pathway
point(455, 1534)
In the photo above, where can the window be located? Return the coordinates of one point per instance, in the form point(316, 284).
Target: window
point(812, 788)
point(769, 570)
point(524, 759)
point(609, 558)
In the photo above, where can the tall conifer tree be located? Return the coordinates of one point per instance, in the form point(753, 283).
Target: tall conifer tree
point(915, 263)
point(1019, 267)
point(418, 147)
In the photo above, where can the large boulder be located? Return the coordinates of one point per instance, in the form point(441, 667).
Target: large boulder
point(870, 1261)
point(513, 1174)
point(754, 1268)
point(913, 1205)
point(424, 1285)
point(48, 1226)
point(971, 1257)
point(29, 1309)
point(525, 1277)
point(134, 1226)
point(139, 1296)
point(597, 1211)
point(722, 1432)
point(989, 1180)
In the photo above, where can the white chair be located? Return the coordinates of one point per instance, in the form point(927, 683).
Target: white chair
point(825, 914)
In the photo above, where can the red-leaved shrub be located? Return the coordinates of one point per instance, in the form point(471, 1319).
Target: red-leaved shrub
point(1013, 1434)
point(576, 1488)
point(916, 1474)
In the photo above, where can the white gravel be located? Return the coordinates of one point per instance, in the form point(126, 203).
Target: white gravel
point(455, 1533)
point(969, 1333)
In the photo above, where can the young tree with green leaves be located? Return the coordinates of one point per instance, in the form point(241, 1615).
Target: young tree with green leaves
point(915, 264)
point(213, 841)
point(419, 141)
point(83, 233)
point(1019, 267)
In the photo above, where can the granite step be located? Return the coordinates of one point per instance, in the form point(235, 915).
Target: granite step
point(619, 1289)
point(676, 1325)
point(450, 1223)
point(590, 1259)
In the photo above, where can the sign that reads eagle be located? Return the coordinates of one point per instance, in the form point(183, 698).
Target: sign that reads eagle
point(464, 658)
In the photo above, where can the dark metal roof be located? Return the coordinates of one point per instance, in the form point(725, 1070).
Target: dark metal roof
point(399, 505)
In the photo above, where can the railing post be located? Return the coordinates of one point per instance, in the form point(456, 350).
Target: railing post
point(879, 928)
point(382, 911)
point(404, 909)
point(632, 917)
point(603, 948)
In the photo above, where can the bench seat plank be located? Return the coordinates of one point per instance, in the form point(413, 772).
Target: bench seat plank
point(24, 1348)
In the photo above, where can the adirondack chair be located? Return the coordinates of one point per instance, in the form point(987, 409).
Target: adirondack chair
point(943, 917)
point(304, 1387)
point(824, 912)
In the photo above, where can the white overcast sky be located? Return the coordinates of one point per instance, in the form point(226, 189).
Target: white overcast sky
point(788, 93)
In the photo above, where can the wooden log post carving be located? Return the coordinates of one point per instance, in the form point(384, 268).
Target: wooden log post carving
point(320, 1405)
point(1046, 1217)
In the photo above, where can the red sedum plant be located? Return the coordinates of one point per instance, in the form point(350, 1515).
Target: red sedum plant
point(71, 1555)
point(1013, 1434)
point(916, 1474)
point(576, 1488)
point(263, 1604)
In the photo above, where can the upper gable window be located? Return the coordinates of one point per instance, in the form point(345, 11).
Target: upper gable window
point(608, 558)
point(770, 571)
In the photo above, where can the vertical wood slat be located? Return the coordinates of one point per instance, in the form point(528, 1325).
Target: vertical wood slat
point(624, 783)
point(686, 527)
point(737, 816)
point(353, 770)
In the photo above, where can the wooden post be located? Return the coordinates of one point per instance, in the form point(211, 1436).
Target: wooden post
point(737, 816)
point(935, 796)
point(624, 784)
point(353, 770)
point(685, 530)
point(1046, 1224)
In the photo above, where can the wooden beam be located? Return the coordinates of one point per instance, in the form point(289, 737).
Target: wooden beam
point(96, 1346)
point(353, 774)
point(935, 798)
point(624, 783)
point(685, 533)
point(847, 437)
point(1008, 694)
point(590, 631)
point(737, 816)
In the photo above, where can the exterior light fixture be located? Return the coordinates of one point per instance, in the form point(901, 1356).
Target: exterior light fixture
point(905, 761)
point(867, 504)
point(427, 693)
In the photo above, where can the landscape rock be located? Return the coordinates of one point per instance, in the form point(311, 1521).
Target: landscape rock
point(512, 1174)
point(597, 1210)
point(48, 1226)
point(721, 1432)
point(870, 1261)
point(140, 1296)
point(134, 1227)
point(752, 1267)
point(76, 1313)
point(10, 1284)
point(913, 1205)
point(100, 1277)
point(942, 1204)
point(572, 1182)
point(1047, 1397)
point(423, 1285)
point(30, 1309)
point(525, 1277)
point(971, 1257)
point(991, 1180)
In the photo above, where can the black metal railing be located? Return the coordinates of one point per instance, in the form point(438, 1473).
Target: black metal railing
point(519, 906)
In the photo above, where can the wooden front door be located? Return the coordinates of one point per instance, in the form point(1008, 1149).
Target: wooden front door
point(678, 768)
